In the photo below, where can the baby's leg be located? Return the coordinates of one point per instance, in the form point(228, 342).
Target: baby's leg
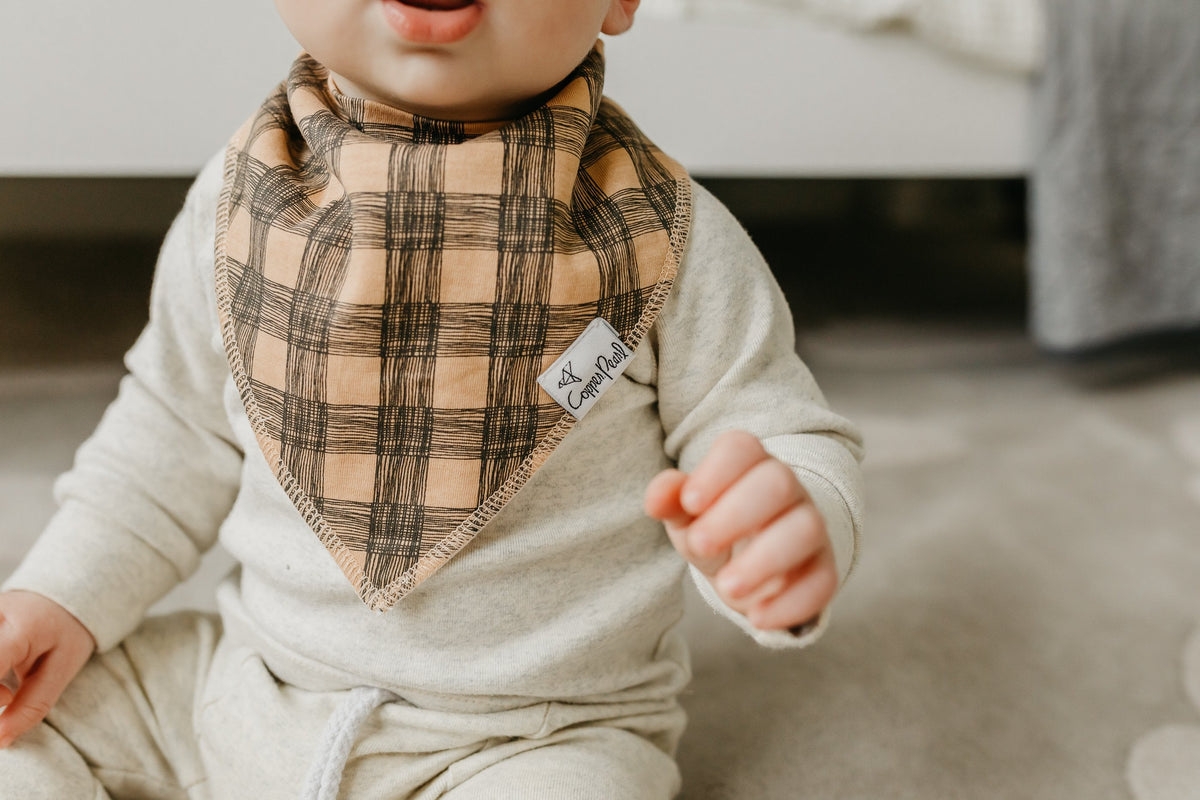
point(590, 762)
point(124, 726)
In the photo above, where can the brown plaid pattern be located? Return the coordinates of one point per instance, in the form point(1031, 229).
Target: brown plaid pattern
point(390, 287)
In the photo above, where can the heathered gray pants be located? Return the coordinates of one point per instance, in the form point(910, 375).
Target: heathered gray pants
point(178, 712)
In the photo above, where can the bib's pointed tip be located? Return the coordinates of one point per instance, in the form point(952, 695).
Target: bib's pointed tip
point(375, 599)
point(379, 605)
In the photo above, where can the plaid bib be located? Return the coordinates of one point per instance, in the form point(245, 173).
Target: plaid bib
point(390, 287)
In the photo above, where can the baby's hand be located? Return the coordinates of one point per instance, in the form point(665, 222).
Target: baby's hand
point(745, 521)
point(43, 647)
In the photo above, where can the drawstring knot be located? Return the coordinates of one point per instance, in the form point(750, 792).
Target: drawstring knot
point(341, 731)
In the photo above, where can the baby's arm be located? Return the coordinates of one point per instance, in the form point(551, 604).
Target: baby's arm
point(147, 491)
point(727, 362)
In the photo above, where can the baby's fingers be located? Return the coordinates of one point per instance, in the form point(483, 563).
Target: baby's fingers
point(730, 457)
point(14, 651)
point(761, 495)
point(808, 591)
point(8, 687)
point(662, 502)
point(787, 543)
point(39, 690)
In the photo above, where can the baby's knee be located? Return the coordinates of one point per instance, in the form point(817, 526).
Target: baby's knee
point(585, 763)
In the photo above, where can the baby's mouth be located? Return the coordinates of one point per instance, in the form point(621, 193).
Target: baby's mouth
point(434, 22)
point(438, 5)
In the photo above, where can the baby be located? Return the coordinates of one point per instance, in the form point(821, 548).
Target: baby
point(438, 346)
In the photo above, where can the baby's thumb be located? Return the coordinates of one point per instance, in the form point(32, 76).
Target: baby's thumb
point(8, 687)
point(662, 498)
point(662, 503)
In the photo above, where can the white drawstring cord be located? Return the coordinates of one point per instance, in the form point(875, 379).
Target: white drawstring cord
point(341, 731)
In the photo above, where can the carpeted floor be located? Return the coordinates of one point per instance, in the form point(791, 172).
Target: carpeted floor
point(1028, 581)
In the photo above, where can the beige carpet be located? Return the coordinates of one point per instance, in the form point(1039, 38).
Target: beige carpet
point(1029, 579)
point(1165, 763)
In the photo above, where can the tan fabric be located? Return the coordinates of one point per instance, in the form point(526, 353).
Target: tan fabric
point(390, 287)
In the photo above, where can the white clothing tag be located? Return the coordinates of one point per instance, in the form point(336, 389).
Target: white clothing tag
point(587, 369)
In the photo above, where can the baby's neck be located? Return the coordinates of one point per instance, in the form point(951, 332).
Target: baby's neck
point(497, 111)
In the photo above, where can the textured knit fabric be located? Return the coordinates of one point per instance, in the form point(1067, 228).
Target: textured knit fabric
point(390, 288)
point(177, 711)
point(570, 598)
point(1115, 248)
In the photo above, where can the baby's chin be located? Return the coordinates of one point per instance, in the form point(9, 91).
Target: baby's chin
point(455, 100)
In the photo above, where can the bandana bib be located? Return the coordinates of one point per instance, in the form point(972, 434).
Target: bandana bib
point(391, 287)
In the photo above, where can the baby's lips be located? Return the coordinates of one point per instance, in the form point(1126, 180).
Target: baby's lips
point(438, 5)
point(430, 21)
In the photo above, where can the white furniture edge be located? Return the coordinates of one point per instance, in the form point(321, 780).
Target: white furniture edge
point(138, 88)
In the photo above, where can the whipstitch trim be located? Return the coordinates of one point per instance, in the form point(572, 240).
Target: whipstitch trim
point(377, 598)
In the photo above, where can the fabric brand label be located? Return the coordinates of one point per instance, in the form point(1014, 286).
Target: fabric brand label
point(587, 369)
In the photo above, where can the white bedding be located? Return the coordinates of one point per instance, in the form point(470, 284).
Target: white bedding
point(1008, 34)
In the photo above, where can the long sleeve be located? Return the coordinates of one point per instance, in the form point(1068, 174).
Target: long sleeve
point(150, 487)
point(727, 360)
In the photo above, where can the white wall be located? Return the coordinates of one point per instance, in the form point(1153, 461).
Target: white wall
point(150, 87)
point(785, 96)
point(132, 86)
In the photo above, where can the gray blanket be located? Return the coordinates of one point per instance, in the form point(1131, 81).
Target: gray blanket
point(1116, 180)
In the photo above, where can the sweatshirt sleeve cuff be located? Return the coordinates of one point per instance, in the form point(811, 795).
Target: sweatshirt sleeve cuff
point(100, 572)
point(839, 524)
point(835, 490)
point(794, 638)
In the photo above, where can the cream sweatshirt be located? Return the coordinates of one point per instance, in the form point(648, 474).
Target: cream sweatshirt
point(571, 592)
